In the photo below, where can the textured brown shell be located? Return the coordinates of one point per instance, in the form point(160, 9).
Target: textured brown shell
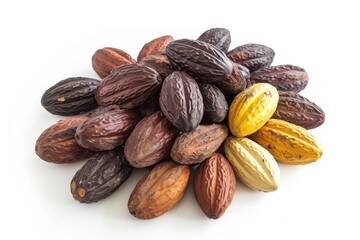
point(128, 86)
point(101, 175)
point(160, 63)
point(284, 77)
point(252, 56)
point(181, 101)
point(218, 37)
point(299, 110)
point(201, 60)
point(237, 81)
point(214, 185)
point(159, 190)
point(57, 143)
point(150, 141)
point(155, 46)
point(106, 131)
point(199, 144)
point(106, 59)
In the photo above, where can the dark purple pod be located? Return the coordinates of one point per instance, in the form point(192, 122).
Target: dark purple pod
point(71, 96)
point(150, 141)
point(218, 37)
point(299, 110)
point(100, 176)
point(150, 106)
point(181, 101)
point(106, 131)
point(288, 78)
point(215, 105)
point(128, 86)
point(252, 56)
point(201, 60)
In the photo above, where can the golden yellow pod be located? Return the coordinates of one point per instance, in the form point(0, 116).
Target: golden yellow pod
point(288, 143)
point(252, 108)
point(252, 164)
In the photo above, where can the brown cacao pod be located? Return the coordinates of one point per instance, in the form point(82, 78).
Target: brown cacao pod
point(149, 107)
point(214, 185)
point(101, 175)
point(128, 86)
point(106, 131)
point(299, 110)
point(218, 37)
point(159, 190)
point(150, 141)
point(106, 59)
point(71, 96)
point(181, 101)
point(101, 110)
point(201, 60)
point(155, 46)
point(57, 143)
point(288, 78)
point(252, 56)
point(160, 63)
point(237, 81)
point(215, 105)
point(199, 144)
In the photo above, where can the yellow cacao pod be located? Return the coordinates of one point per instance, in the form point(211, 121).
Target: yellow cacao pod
point(252, 108)
point(288, 143)
point(252, 164)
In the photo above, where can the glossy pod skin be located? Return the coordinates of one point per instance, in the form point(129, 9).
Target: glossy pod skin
point(253, 164)
point(218, 37)
point(214, 185)
point(181, 101)
point(106, 59)
point(128, 86)
point(159, 190)
point(252, 56)
point(237, 81)
point(106, 131)
point(155, 46)
point(150, 141)
point(288, 143)
point(252, 108)
point(57, 143)
point(71, 96)
point(196, 146)
point(299, 110)
point(201, 60)
point(284, 77)
point(101, 175)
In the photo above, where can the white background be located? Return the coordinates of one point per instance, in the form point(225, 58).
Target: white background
point(43, 42)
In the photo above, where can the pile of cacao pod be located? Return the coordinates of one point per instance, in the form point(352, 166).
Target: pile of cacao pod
point(183, 104)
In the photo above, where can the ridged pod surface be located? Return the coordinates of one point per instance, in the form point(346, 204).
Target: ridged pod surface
point(299, 110)
point(218, 37)
point(253, 164)
point(252, 108)
point(199, 144)
point(284, 77)
point(201, 60)
point(155, 46)
point(159, 190)
point(237, 81)
point(288, 143)
point(150, 141)
point(214, 185)
point(160, 63)
point(106, 131)
point(101, 175)
point(71, 96)
point(128, 86)
point(181, 101)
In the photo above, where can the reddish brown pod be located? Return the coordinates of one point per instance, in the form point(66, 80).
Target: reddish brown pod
point(299, 110)
point(150, 141)
point(288, 78)
point(214, 185)
point(106, 131)
point(106, 59)
point(155, 46)
point(237, 81)
point(128, 86)
point(57, 143)
point(160, 63)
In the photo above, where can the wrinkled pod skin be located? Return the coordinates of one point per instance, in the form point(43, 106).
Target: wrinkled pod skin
point(218, 37)
point(237, 81)
point(159, 190)
point(214, 185)
point(101, 175)
point(154, 47)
